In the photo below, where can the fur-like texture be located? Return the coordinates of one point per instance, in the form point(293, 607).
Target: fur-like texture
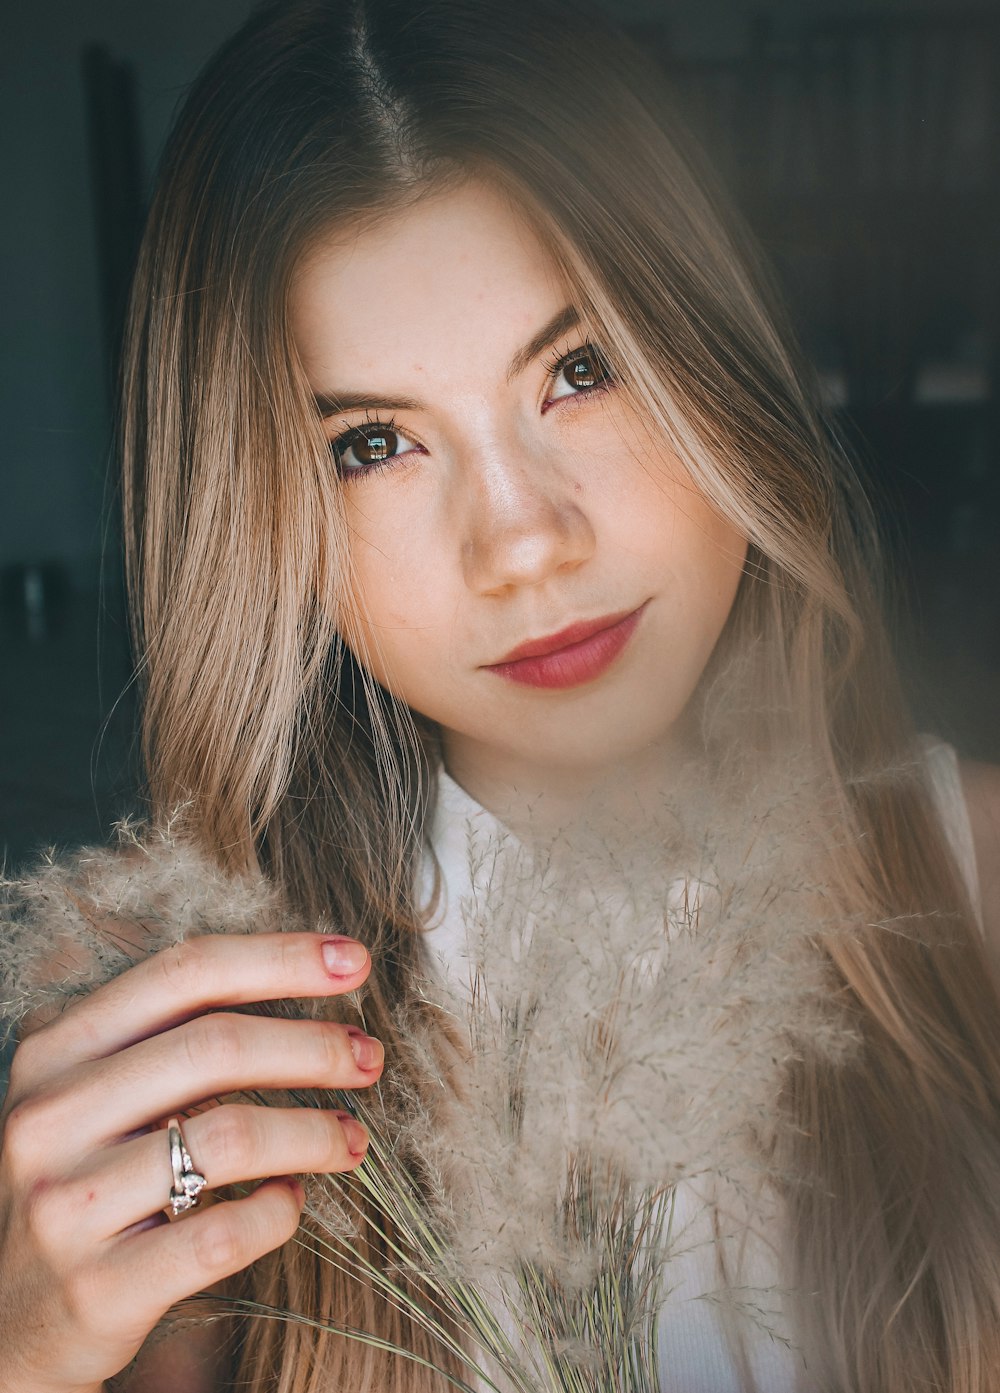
point(626, 1008)
point(76, 921)
point(624, 1023)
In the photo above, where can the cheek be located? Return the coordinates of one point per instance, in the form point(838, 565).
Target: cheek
point(700, 552)
point(712, 557)
point(720, 552)
point(384, 554)
point(381, 623)
point(399, 617)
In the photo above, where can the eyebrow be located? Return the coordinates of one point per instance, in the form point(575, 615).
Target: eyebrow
point(330, 403)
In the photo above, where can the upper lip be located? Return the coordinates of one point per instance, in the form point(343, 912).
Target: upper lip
point(552, 643)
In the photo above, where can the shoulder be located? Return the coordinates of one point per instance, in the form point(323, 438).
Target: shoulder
point(981, 786)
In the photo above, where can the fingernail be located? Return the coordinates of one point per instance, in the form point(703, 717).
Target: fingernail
point(343, 957)
point(368, 1053)
point(355, 1133)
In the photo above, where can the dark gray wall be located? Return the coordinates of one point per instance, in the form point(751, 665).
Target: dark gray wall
point(53, 389)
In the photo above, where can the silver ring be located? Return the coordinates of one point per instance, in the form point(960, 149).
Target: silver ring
point(188, 1183)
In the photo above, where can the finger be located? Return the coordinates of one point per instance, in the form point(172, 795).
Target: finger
point(182, 981)
point(103, 1101)
point(130, 1182)
point(160, 1266)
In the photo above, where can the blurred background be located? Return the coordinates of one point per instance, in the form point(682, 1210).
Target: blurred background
point(862, 142)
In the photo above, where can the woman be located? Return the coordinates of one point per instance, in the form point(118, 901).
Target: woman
point(456, 433)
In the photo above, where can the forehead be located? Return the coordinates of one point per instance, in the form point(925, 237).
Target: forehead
point(422, 289)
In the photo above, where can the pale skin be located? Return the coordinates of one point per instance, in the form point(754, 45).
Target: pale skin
point(513, 503)
point(87, 1264)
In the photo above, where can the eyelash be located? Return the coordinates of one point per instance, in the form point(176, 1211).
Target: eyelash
point(356, 433)
point(553, 364)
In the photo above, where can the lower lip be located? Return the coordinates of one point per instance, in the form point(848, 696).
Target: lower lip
point(577, 663)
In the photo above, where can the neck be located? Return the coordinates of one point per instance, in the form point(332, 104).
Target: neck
point(580, 802)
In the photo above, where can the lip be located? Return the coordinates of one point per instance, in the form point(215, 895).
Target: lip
point(552, 643)
point(577, 654)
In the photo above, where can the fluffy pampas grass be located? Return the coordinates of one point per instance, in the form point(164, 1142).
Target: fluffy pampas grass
point(612, 1020)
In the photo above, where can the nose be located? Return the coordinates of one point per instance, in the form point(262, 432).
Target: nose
point(524, 523)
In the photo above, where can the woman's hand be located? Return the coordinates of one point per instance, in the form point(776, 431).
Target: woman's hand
point(88, 1261)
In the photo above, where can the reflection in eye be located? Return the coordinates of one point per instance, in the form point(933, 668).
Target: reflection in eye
point(579, 371)
point(368, 447)
point(378, 444)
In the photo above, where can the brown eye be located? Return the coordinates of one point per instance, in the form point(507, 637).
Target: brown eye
point(585, 368)
point(376, 446)
point(368, 447)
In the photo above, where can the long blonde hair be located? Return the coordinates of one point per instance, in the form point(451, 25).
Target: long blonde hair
point(320, 113)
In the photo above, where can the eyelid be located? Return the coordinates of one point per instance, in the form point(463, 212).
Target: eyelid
point(554, 362)
point(369, 423)
point(343, 440)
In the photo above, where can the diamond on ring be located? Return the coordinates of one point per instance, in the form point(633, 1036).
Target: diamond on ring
point(187, 1182)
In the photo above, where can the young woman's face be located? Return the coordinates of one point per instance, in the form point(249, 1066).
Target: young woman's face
point(500, 491)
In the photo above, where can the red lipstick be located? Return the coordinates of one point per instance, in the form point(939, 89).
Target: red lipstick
point(574, 655)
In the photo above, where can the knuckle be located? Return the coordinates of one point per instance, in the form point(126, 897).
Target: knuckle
point(218, 1038)
point(27, 1135)
point(278, 1219)
point(287, 1217)
point(332, 1050)
point(185, 965)
point(288, 956)
point(231, 1142)
point(231, 1236)
point(218, 1242)
point(48, 1214)
point(29, 1060)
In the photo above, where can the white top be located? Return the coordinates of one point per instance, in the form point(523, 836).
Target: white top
point(694, 1355)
